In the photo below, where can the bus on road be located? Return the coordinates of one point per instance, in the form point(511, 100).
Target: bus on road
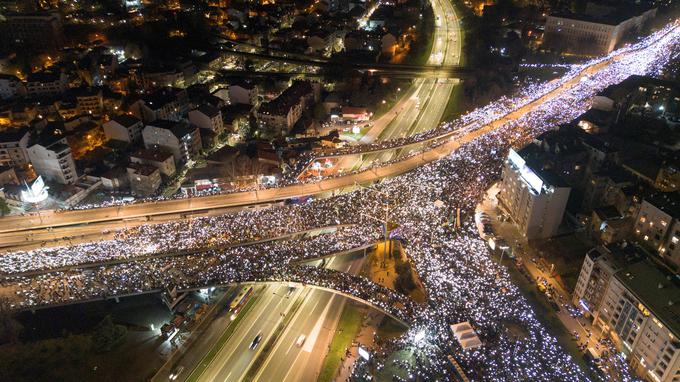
point(240, 299)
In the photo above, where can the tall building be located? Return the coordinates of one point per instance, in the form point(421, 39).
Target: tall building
point(46, 83)
point(207, 117)
point(13, 147)
point(51, 157)
point(40, 32)
point(282, 113)
point(124, 127)
point(596, 31)
point(535, 198)
point(181, 139)
point(599, 266)
point(640, 311)
point(657, 226)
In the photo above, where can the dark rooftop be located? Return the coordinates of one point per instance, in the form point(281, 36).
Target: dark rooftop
point(152, 155)
point(657, 289)
point(291, 96)
point(126, 120)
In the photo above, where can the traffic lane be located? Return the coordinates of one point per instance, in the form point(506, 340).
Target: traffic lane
point(318, 321)
point(393, 169)
point(73, 234)
point(238, 343)
point(320, 309)
point(242, 356)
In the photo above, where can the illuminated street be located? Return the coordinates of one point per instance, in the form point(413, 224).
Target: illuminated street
point(285, 231)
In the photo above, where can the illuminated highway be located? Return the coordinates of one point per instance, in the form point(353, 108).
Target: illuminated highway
point(136, 213)
point(315, 314)
point(423, 105)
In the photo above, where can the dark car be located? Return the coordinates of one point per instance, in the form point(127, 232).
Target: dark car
point(256, 341)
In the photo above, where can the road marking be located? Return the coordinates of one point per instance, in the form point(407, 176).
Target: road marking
point(224, 356)
point(314, 307)
point(311, 339)
point(309, 292)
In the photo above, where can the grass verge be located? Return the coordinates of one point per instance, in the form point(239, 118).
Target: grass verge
point(348, 327)
point(210, 355)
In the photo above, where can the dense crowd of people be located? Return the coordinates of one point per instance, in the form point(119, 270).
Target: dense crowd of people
point(462, 281)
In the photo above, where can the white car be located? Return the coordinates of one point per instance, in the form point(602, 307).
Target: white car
point(176, 373)
point(301, 340)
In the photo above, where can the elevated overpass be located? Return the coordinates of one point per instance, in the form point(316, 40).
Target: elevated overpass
point(396, 305)
point(436, 151)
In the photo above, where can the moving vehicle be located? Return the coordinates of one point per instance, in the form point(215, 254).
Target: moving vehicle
point(176, 373)
point(300, 340)
point(240, 298)
point(256, 341)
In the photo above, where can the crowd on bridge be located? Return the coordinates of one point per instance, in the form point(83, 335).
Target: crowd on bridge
point(463, 281)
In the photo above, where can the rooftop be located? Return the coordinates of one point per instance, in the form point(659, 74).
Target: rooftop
point(179, 129)
point(667, 202)
point(126, 120)
point(152, 155)
point(44, 76)
point(286, 100)
point(142, 169)
point(617, 15)
point(209, 111)
point(657, 289)
point(13, 135)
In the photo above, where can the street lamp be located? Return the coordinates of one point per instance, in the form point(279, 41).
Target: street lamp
point(384, 221)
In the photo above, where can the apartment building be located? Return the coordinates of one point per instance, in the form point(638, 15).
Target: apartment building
point(594, 32)
point(640, 311)
point(167, 103)
point(10, 86)
point(124, 127)
point(657, 226)
point(535, 198)
point(40, 32)
point(181, 139)
point(144, 179)
point(46, 84)
point(207, 117)
point(282, 113)
point(51, 157)
point(13, 147)
point(162, 160)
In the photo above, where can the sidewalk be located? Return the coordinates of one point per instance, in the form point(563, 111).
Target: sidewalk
point(365, 339)
point(526, 262)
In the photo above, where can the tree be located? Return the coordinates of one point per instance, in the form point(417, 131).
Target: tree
point(4, 208)
point(10, 328)
point(319, 112)
point(107, 335)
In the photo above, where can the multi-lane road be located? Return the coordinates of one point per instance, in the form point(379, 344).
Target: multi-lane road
point(424, 103)
point(420, 109)
point(315, 314)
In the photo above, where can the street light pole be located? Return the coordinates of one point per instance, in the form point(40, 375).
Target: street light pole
point(385, 221)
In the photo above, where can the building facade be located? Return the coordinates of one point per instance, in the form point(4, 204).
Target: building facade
point(207, 117)
point(640, 311)
point(657, 227)
point(53, 161)
point(181, 139)
point(591, 33)
point(536, 202)
point(14, 147)
point(124, 127)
